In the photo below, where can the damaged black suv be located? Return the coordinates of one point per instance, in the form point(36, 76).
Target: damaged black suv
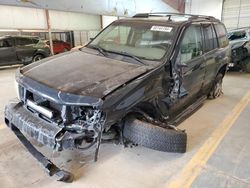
point(134, 82)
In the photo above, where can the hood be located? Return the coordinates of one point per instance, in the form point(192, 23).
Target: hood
point(83, 73)
point(237, 43)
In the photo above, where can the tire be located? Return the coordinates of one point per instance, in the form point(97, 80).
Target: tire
point(65, 50)
point(154, 137)
point(37, 57)
point(216, 90)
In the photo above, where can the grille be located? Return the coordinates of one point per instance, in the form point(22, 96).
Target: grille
point(41, 101)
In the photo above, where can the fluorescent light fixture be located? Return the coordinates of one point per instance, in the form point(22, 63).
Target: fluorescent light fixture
point(46, 112)
point(9, 30)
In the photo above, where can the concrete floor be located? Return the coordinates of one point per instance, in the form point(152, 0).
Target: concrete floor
point(135, 167)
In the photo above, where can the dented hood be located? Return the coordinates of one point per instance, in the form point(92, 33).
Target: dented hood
point(83, 73)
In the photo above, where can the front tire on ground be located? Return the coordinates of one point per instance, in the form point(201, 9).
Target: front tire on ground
point(154, 137)
point(216, 90)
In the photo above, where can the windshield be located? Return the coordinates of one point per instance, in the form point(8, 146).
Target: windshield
point(237, 35)
point(143, 40)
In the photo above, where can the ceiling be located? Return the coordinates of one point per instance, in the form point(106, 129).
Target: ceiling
point(101, 7)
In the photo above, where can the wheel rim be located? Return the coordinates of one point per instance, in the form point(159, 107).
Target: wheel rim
point(37, 58)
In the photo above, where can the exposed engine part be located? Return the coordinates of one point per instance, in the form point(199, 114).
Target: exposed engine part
point(91, 122)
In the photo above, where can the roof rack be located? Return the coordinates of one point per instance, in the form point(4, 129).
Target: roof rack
point(169, 15)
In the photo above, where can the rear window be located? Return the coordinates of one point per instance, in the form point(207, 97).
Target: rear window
point(237, 35)
point(222, 35)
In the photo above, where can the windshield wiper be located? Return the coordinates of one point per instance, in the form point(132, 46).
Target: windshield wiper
point(99, 49)
point(129, 55)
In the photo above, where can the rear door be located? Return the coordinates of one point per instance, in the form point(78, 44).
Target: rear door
point(7, 52)
point(211, 53)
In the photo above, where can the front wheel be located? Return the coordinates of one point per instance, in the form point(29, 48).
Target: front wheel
point(216, 90)
point(37, 57)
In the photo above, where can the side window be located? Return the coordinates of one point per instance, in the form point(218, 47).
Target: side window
point(221, 34)
point(191, 45)
point(210, 42)
point(4, 43)
point(23, 41)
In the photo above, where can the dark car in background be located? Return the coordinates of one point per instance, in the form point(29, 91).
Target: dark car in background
point(22, 50)
point(60, 46)
point(239, 40)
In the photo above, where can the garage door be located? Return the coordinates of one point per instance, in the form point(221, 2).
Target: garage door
point(236, 13)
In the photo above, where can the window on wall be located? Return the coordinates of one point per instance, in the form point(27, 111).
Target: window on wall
point(191, 45)
point(221, 34)
point(209, 37)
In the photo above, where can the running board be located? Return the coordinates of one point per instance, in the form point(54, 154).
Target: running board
point(190, 110)
point(50, 168)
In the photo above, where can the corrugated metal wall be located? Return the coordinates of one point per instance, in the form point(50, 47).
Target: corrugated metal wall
point(236, 13)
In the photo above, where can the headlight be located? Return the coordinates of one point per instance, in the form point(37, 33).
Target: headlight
point(17, 90)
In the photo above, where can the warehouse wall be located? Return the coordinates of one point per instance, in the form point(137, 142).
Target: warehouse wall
point(32, 18)
point(74, 21)
point(84, 26)
point(204, 7)
point(22, 18)
point(236, 13)
point(106, 20)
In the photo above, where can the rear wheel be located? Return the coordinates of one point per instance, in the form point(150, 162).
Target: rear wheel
point(65, 49)
point(37, 57)
point(216, 90)
point(154, 137)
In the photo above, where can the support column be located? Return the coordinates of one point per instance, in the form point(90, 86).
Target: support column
point(49, 31)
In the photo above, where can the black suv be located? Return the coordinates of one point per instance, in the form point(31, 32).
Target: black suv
point(134, 82)
point(21, 50)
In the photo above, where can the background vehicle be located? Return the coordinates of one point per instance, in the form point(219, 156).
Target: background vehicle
point(59, 46)
point(21, 50)
point(239, 40)
point(137, 79)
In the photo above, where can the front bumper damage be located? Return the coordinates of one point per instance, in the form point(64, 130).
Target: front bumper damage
point(23, 122)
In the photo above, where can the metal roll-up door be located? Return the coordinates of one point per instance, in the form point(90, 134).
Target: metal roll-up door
point(236, 13)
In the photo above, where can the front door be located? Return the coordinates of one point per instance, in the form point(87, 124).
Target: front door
point(191, 65)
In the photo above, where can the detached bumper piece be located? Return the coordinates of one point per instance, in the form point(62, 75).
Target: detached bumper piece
point(50, 168)
point(19, 120)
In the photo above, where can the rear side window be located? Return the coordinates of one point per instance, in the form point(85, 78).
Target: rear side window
point(222, 35)
point(191, 45)
point(35, 41)
point(5, 43)
point(209, 37)
point(23, 41)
